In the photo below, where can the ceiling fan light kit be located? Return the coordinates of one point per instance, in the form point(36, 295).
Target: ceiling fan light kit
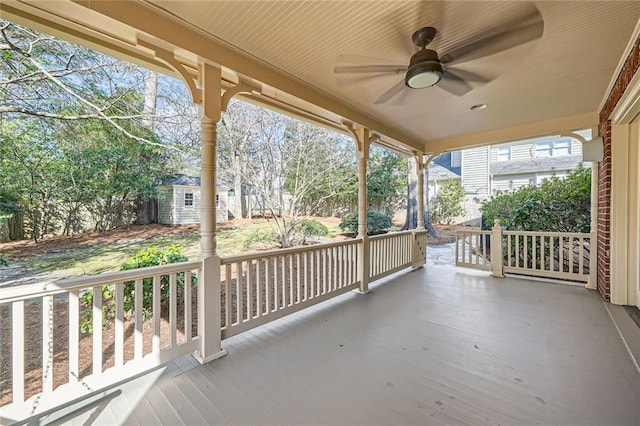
point(424, 70)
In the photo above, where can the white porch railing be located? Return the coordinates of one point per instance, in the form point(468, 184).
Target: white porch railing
point(390, 253)
point(145, 317)
point(261, 287)
point(114, 306)
point(564, 256)
point(472, 249)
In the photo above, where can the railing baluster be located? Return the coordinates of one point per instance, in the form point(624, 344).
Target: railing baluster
point(119, 325)
point(157, 314)
point(74, 336)
point(249, 291)
point(227, 296)
point(561, 257)
point(138, 336)
point(258, 288)
point(186, 292)
point(97, 330)
point(47, 343)
point(298, 278)
point(17, 348)
point(173, 309)
point(239, 293)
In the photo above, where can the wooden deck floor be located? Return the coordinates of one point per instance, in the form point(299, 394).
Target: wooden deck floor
point(437, 345)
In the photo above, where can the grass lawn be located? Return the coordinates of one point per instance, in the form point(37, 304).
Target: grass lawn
point(107, 257)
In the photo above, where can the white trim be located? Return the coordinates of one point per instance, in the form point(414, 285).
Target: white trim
point(624, 196)
point(623, 59)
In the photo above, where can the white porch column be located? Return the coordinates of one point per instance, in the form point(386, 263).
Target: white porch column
point(420, 189)
point(209, 281)
point(362, 136)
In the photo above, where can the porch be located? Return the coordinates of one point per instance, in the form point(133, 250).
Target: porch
point(438, 344)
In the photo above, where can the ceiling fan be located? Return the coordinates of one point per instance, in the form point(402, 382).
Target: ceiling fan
point(426, 68)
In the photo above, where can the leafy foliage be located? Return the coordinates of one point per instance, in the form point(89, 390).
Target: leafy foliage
point(307, 228)
point(152, 256)
point(557, 205)
point(377, 222)
point(447, 204)
point(3, 260)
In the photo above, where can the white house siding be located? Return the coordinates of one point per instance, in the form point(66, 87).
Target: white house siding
point(508, 183)
point(475, 171)
point(165, 205)
point(186, 214)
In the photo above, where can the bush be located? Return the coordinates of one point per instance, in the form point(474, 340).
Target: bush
point(446, 205)
point(557, 205)
point(307, 228)
point(152, 256)
point(268, 236)
point(3, 260)
point(377, 223)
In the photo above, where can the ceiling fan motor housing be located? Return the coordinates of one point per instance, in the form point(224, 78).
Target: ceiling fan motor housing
point(424, 70)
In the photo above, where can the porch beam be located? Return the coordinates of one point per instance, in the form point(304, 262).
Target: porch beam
point(146, 18)
point(531, 130)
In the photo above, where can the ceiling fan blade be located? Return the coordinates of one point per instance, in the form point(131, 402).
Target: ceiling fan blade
point(495, 43)
point(466, 75)
point(394, 90)
point(454, 84)
point(359, 69)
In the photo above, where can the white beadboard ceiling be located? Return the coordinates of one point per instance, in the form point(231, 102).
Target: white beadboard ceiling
point(566, 72)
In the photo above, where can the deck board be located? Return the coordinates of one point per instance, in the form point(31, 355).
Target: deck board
point(437, 345)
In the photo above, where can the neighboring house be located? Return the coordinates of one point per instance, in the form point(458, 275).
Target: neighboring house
point(486, 170)
point(179, 201)
point(444, 167)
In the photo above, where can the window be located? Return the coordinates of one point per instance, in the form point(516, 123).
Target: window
point(456, 158)
point(554, 148)
point(188, 199)
point(504, 153)
point(562, 147)
point(544, 149)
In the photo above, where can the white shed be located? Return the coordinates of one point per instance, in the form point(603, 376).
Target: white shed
point(179, 201)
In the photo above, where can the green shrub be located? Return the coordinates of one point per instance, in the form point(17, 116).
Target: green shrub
point(267, 236)
point(307, 228)
point(557, 205)
point(3, 260)
point(377, 223)
point(446, 205)
point(152, 256)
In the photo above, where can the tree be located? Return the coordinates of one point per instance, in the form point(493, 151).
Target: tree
point(447, 204)
point(557, 205)
point(411, 220)
point(84, 137)
point(284, 161)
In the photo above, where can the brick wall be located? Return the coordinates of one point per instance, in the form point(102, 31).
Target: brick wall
point(604, 170)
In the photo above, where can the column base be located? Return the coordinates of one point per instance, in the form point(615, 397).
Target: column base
point(210, 358)
point(357, 290)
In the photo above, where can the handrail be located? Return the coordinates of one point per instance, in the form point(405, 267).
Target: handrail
point(392, 234)
point(224, 260)
point(23, 292)
point(548, 234)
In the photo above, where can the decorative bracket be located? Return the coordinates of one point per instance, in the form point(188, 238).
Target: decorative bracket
point(236, 90)
point(170, 59)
